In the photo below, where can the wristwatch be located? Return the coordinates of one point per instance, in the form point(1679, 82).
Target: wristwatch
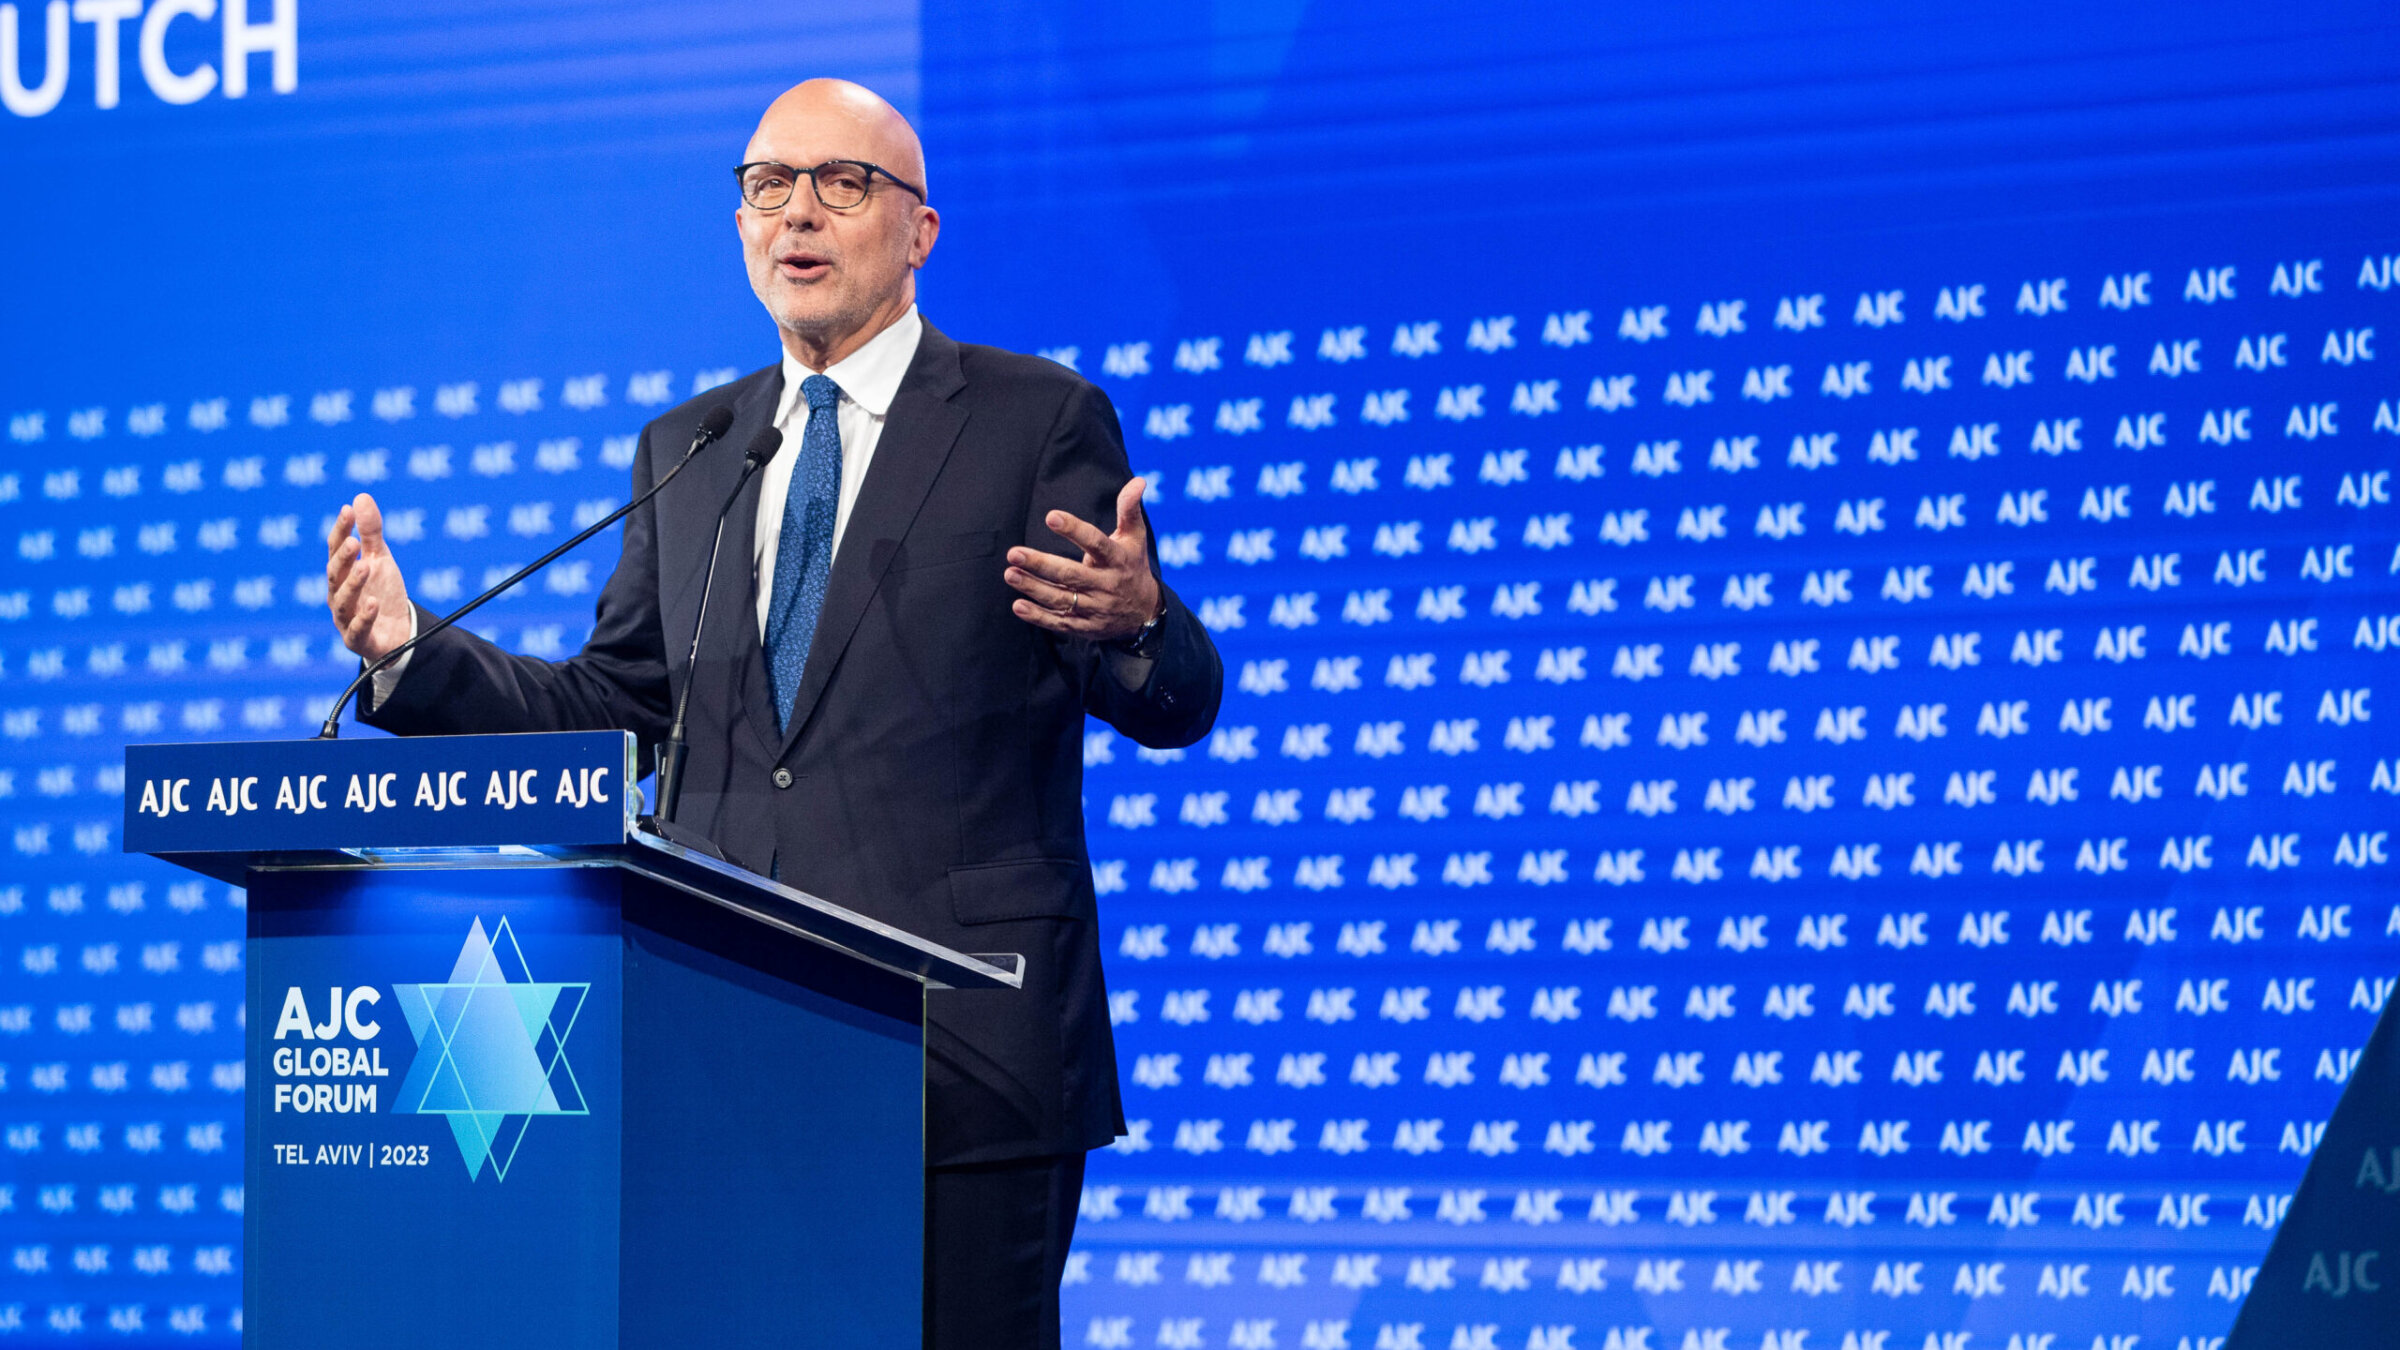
point(1148, 640)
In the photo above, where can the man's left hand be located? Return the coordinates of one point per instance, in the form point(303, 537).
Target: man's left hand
point(1106, 597)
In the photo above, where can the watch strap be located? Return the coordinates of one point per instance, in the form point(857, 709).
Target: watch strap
point(1147, 641)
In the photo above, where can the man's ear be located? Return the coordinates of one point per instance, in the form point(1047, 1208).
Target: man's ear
point(928, 229)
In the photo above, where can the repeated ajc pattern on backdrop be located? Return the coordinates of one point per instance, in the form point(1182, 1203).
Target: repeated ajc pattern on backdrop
point(1825, 818)
point(1809, 819)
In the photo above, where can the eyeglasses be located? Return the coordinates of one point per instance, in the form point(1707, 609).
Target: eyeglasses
point(840, 184)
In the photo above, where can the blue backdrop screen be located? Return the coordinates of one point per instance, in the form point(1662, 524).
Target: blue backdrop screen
point(1802, 594)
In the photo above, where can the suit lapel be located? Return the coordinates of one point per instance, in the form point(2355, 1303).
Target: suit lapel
point(917, 436)
point(731, 643)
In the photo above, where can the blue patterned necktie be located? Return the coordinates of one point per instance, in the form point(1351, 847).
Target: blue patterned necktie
point(804, 551)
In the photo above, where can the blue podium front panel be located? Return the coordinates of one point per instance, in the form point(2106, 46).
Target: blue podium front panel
point(527, 1104)
point(434, 1131)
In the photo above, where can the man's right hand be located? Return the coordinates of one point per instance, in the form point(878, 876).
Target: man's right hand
point(362, 583)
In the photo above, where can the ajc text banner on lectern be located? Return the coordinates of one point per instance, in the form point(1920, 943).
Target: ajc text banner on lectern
point(556, 788)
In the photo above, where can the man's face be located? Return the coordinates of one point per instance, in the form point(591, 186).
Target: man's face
point(829, 276)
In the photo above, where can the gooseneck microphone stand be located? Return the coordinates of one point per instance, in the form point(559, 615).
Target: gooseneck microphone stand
point(712, 425)
point(670, 754)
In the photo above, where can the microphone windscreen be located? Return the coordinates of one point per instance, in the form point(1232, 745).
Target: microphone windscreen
point(716, 421)
point(763, 446)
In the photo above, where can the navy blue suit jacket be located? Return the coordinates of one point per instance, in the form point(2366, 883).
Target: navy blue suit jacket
point(935, 751)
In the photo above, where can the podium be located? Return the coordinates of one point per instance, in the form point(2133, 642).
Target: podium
point(520, 1073)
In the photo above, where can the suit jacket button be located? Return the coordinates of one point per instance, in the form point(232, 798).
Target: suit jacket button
point(783, 778)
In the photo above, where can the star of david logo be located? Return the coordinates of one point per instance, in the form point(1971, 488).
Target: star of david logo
point(491, 1049)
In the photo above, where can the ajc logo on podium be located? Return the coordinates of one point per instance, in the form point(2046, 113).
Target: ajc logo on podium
point(491, 1049)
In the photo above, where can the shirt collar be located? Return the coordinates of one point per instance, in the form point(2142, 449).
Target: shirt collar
point(870, 377)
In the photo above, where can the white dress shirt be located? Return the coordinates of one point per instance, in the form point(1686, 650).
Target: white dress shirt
point(869, 378)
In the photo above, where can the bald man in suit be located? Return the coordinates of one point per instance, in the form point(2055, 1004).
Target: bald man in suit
point(950, 567)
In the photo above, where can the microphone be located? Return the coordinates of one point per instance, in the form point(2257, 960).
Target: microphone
point(713, 424)
point(670, 754)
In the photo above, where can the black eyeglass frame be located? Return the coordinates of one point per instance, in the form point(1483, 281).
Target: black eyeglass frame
point(741, 172)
